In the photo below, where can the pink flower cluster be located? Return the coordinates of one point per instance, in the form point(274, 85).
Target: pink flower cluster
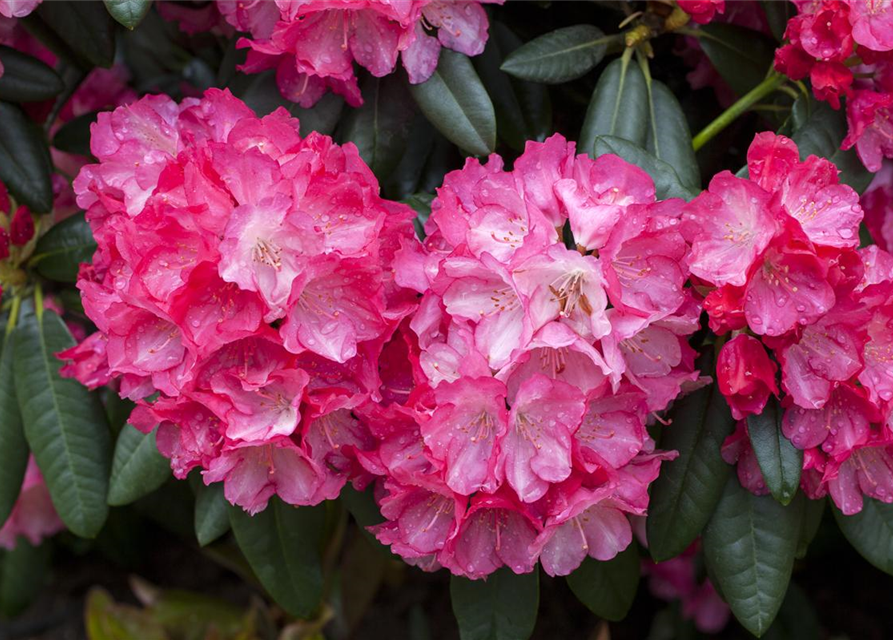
point(524, 436)
point(877, 202)
point(243, 274)
point(777, 255)
point(313, 44)
point(33, 517)
point(834, 42)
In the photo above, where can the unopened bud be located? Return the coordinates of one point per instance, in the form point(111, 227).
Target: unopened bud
point(21, 229)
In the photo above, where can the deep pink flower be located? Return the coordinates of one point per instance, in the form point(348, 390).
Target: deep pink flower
point(872, 22)
point(870, 127)
point(88, 361)
point(866, 470)
point(831, 81)
point(21, 227)
point(33, 516)
point(842, 424)
point(702, 11)
point(745, 375)
point(877, 203)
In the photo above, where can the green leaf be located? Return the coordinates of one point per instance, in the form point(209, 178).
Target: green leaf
point(137, 467)
point(13, 447)
point(25, 165)
point(60, 252)
point(796, 619)
point(502, 607)
point(666, 181)
point(619, 106)
point(741, 56)
point(669, 138)
point(523, 109)
point(128, 12)
point(23, 573)
point(560, 55)
point(381, 126)
point(263, 97)
point(688, 488)
point(25, 78)
point(455, 102)
point(813, 510)
point(779, 460)
point(421, 204)
point(65, 424)
point(819, 132)
point(777, 15)
point(282, 545)
point(74, 135)
point(211, 513)
point(608, 588)
point(870, 532)
point(81, 32)
point(749, 547)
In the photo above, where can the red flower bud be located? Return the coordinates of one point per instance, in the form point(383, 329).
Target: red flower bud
point(21, 229)
point(746, 376)
point(4, 244)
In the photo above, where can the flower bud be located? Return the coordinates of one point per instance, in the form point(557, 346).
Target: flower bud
point(746, 376)
point(4, 244)
point(21, 229)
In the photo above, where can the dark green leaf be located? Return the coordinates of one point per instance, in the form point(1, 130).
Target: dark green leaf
point(74, 136)
point(813, 510)
point(560, 55)
point(796, 619)
point(81, 32)
point(282, 545)
point(25, 78)
point(421, 204)
point(13, 447)
point(870, 532)
point(25, 166)
point(211, 513)
point(454, 100)
point(23, 573)
point(502, 607)
point(60, 252)
point(666, 181)
point(749, 547)
point(381, 126)
point(128, 12)
point(361, 505)
point(619, 106)
point(137, 467)
point(779, 460)
point(741, 56)
point(777, 15)
point(688, 488)
point(608, 588)
point(263, 96)
point(65, 425)
point(668, 136)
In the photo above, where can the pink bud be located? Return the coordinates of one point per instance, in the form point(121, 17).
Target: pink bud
point(21, 229)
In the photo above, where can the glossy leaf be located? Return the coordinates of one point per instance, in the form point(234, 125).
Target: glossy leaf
point(13, 447)
point(779, 460)
point(666, 181)
point(608, 588)
point(211, 513)
point(65, 425)
point(282, 545)
point(813, 510)
point(870, 532)
point(81, 32)
point(502, 607)
point(25, 166)
point(455, 101)
point(685, 495)
point(560, 55)
point(60, 252)
point(263, 96)
point(741, 56)
point(137, 467)
point(619, 106)
point(74, 135)
point(669, 138)
point(749, 547)
point(25, 78)
point(23, 573)
point(777, 15)
point(796, 619)
point(128, 12)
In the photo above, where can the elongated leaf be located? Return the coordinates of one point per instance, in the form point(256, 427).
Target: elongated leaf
point(24, 160)
point(81, 32)
point(813, 510)
point(137, 467)
point(619, 106)
point(25, 78)
point(777, 15)
point(502, 607)
point(282, 545)
point(688, 489)
point(60, 252)
point(666, 182)
point(749, 547)
point(381, 126)
point(454, 100)
point(669, 138)
point(608, 588)
point(23, 573)
point(741, 56)
point(211, 513)
point(779, 460)
point(128, 12)
point(870, 532)
point(13, 447)
point(65, 425)
point(796, 619)
point(560, 55)
point(74, 136)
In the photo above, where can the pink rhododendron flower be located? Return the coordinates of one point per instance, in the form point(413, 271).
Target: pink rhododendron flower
point(702, 11)
point(244, 273)
point(17, 8)
point(33, 516)
point(745, 375)
point(877, 202)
